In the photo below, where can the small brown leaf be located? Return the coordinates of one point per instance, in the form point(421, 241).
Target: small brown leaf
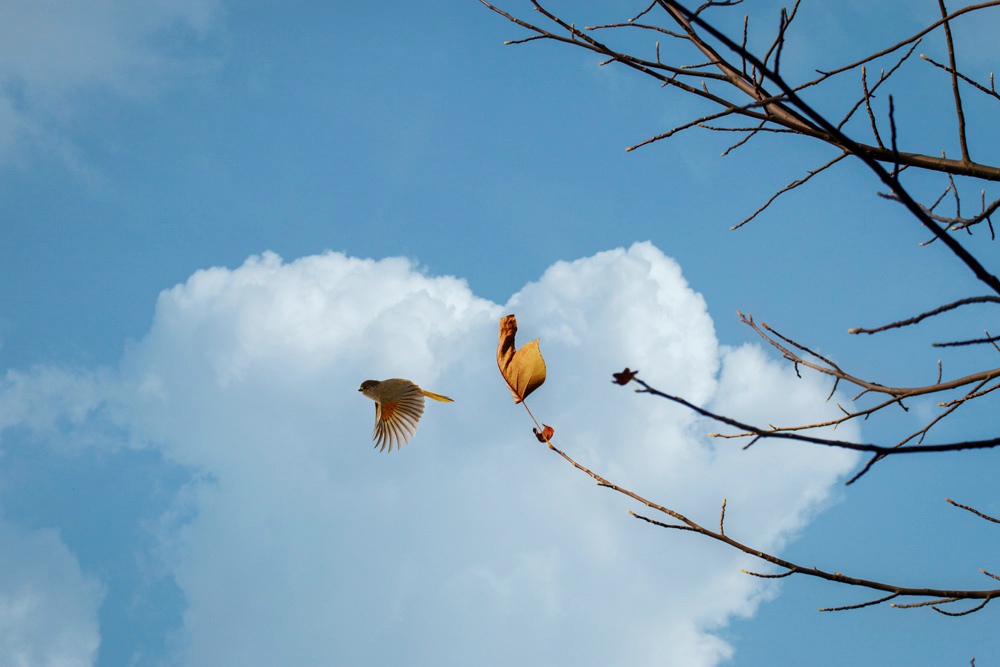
point(625, 376)
point(523, 370)
point(545, 435)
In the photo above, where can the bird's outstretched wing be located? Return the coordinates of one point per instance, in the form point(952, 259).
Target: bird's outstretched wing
point(396, 418)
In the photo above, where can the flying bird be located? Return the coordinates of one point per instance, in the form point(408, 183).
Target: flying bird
point(399, 404)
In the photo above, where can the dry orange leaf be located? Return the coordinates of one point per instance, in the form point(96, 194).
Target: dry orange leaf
point(524, 370)
point(545, 435)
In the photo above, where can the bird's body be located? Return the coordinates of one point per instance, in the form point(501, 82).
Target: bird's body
point(399, 404)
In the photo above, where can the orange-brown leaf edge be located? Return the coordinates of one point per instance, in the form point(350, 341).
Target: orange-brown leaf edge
point(524, 369)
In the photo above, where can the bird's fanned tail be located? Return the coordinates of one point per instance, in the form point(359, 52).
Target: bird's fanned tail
point(436, 397)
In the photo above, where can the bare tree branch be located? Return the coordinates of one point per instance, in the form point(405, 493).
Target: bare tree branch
point(751, 95)
point(989, 298)
point(940, 596)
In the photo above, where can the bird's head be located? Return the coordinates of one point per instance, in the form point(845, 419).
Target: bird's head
point(368, 386)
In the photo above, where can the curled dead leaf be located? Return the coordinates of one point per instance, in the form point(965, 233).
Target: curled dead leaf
point(625, 376)
point(524, 369)
point(545, 435)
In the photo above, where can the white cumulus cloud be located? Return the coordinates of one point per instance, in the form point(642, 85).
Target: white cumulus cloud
point(474, 544)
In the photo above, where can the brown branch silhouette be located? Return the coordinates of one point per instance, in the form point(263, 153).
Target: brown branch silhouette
point(749, 95)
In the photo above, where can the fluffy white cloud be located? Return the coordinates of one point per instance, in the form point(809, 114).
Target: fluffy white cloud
point(48, 607)
point(474, 544)
point(51, 51)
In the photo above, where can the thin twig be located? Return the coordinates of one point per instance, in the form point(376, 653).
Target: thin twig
point(974, 511)
point(962, 613)
point(868, 108)
point(959, 113)
point(791, 186)
point(862, 605)
point(989, 91)
point(972, 341)
point(869, 94)
point(989, 298)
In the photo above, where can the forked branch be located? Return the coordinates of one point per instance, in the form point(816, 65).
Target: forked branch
point(678, 521)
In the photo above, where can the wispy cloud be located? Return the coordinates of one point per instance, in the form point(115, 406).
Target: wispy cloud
point(54, 53)
point(48, 607)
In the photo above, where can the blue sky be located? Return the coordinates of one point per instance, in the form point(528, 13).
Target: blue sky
point(219, 218)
